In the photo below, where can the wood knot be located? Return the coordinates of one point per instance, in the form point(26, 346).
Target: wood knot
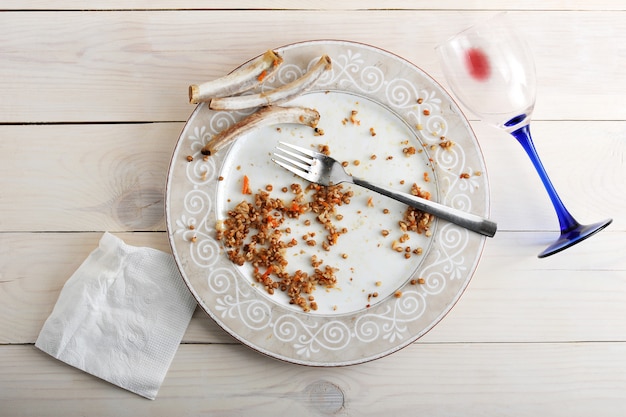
point(140, 209)
point(325, 397)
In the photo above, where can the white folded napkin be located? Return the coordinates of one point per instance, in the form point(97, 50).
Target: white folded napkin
point(121, 316)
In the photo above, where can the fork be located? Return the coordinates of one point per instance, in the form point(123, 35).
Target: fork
point(324, 170)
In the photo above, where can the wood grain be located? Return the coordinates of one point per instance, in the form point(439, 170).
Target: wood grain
point(502, 303)
point(85, 177)
point(556, 379)
point(137, 65)
point(101, 177)
point(318, 5)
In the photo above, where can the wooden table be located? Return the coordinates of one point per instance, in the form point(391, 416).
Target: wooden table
point(93, 96)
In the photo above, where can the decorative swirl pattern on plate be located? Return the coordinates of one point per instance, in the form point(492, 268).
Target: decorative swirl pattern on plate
point(309, 339)
point(401, 93)
point(237, 300)
point(349, 72)
point(220, 280)
point(449, 259)
point(197, 202)
point(391, 324)
point(205, 251)
point(221, 121)
point(288, 73)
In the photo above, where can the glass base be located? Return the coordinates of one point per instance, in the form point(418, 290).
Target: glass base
point(574, 236)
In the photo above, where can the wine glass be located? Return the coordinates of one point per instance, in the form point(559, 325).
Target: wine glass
point(491, 70)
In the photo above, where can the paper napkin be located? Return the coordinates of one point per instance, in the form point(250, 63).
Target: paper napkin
point(121, 316)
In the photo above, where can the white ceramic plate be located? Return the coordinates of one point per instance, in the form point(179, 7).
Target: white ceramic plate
point(405, 107)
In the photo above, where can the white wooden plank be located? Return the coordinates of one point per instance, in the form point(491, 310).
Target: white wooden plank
point(85, 177)
point(307, 5)
point(88, 177)
point(578, 297)
point(575, 295)
point(571, 379)
point(136, 66)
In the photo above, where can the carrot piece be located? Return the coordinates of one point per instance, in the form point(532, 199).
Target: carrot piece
point(262, 75)
point(267, 273)
point(272, 221)
point(297, 208)
point(245, 189)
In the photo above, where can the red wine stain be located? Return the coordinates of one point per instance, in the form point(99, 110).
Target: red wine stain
point(477, 64)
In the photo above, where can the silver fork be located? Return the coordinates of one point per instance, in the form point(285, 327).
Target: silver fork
point(324, 170)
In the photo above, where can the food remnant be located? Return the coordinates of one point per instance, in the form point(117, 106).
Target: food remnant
point(245, 188)
point(265, 116)
point(408, 151)
point(240, 80)
point(252, 233)
point(447, 144)
point(353, 118)
point(414, 220)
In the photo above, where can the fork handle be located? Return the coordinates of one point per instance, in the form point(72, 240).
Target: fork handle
point(467, 220)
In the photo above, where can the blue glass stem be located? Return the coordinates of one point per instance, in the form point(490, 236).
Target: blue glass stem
point(566, 220)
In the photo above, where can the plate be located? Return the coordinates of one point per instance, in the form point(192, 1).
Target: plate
point(389, 122)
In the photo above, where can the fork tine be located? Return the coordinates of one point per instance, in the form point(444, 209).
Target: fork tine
point(303, 158)
point(305, 151)
point(306, 174)
point(306, 166)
